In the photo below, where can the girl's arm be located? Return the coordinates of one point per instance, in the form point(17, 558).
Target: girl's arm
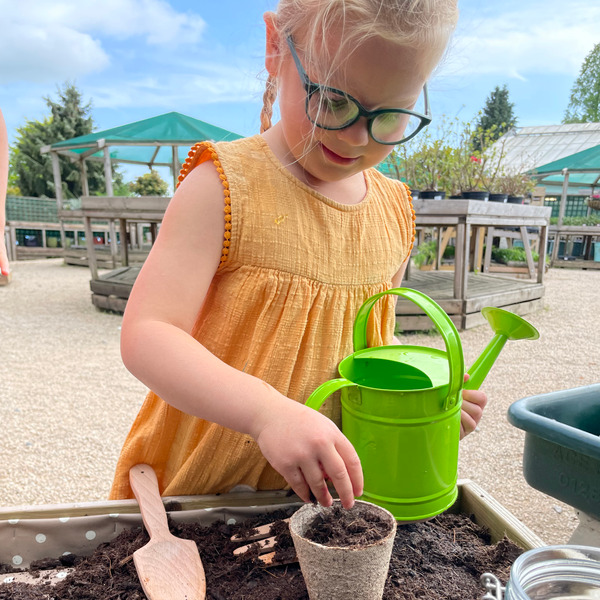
point(4, 268)
point(157, 348)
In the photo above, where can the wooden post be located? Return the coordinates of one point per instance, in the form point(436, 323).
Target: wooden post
point(59, 195)
point(108, 172)
point(85, 187)
point(437, 263)
point(561, 216)
point(488, 249)
point(89, 246)
point(563, 198)
point(478, 250)
point(124, 243)
point(114, 248)
point(527, 248)
point(175, 167)
point(461, 262)
point(140, 235)
point(543, 243)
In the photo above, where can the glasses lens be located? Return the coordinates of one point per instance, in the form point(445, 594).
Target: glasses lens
point(394, 127)
point(325, 108)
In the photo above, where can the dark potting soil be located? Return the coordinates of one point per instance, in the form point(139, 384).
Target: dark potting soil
point(358, 527)
point(442, 558)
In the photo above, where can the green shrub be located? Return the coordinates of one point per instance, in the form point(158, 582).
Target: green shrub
point(506, 255)
point(577, 221)
point(426, 253)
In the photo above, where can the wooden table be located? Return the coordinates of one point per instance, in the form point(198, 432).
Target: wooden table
point(125, 210)
point(473, 218)
point(588, 233)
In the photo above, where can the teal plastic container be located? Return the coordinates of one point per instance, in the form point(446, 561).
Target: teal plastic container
point(561, 456)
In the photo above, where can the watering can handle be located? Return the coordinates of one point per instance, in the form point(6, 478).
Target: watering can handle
point(325, 390)
point(442, 323)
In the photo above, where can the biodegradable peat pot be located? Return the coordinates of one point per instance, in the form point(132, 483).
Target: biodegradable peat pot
point(342, 572)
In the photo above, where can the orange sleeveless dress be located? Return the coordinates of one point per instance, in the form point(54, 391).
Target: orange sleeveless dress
point(296, 266)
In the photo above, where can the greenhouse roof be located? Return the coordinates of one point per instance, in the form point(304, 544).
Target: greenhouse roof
point(527, 148)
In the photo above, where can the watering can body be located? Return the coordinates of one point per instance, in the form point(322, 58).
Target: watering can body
point(401, 407)
point(401, 412)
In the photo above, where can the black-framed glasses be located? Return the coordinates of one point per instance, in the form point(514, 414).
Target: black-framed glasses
point(332, 109)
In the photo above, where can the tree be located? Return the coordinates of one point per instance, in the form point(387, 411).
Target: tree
point(149, 184)
point(31, 170)
point(584, 104)
point(498, 112)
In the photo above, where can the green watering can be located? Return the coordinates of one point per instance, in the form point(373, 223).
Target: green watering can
point(401, 407)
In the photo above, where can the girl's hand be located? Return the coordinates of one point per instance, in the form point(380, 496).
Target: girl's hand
point(4, 267)
point(307, 448)
point(474, 402)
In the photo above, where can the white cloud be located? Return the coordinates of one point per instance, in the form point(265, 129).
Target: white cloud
point(31, 53)
point(209, 85)
point(549, 37)
point(44, 41)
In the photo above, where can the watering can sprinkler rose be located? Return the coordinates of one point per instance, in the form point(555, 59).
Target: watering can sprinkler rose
point(401, 407)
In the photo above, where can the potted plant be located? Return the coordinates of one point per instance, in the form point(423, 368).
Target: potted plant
point(593, 201)
point(516, 185)
point(470, 165)
point(492, 157)
point(403, 163)
point(426, 163)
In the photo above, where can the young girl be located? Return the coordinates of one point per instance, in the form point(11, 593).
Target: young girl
point(268, 249)
point(4, 267)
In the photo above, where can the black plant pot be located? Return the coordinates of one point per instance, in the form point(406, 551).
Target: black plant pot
point(416, 194)
point(432, 195)
point(476, 195)
point(498, 197)
point(515, 199)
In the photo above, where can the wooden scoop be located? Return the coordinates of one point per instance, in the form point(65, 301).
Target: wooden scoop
point(169, 568)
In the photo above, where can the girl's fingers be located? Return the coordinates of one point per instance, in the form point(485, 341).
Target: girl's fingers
point(4, 267)
point(471, 413)
point(298, 484)
point(467, 424)
point(344, 470)
point(352, 464)
point(314, 478)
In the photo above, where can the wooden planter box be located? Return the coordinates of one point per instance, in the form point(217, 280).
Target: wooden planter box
point(31, 533)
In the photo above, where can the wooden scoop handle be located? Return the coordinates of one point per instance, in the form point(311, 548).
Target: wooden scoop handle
point(144, 484)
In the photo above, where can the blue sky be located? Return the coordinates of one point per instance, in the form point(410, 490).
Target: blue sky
point(140, 58)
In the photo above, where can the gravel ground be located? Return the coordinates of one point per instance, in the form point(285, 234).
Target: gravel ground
point(67, 402)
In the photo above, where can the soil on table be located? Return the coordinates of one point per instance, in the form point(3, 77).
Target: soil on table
point(442, 558)
point(348, 528)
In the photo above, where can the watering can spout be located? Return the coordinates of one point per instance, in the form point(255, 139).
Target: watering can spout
point(506, 326)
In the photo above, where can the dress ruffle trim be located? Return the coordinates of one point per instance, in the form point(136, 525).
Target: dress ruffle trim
point(413, 217)
point(194, 158)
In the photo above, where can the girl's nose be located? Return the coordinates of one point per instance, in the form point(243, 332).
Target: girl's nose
point(355, 135)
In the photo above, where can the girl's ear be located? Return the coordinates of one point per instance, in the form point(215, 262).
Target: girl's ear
point(272, 54)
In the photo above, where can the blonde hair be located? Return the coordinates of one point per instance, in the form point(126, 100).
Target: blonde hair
point(420, 24)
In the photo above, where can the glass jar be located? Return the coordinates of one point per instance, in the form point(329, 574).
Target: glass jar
point(557, 573)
